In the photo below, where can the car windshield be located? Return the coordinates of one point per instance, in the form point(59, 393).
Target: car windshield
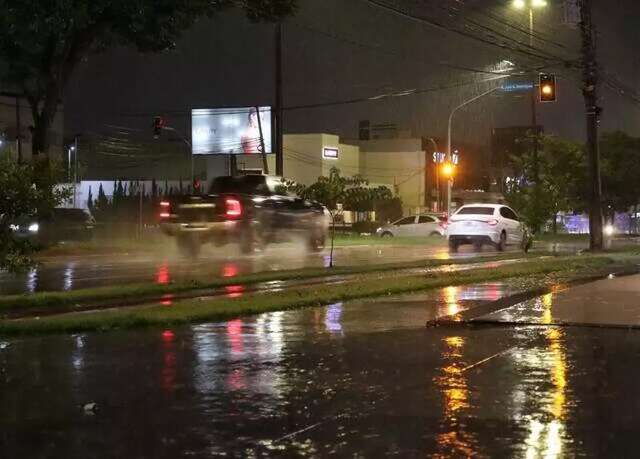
point(476, 210)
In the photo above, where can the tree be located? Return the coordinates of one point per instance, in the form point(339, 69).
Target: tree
point(337, 193)
point(26, 191)
point(620, 161)
point(90, 200)
point(42, 43)
point(562, 175)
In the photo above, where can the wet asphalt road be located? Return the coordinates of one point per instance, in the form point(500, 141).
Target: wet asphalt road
point(364, 379)
point(71, 273)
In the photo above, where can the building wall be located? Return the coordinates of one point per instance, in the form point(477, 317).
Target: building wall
point(9, 131)
point(398, 164)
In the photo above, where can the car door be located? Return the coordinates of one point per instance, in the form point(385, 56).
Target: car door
point(404, 227)
point(426, 226)
point(512, 225)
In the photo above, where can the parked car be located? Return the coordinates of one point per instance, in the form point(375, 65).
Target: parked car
point(416, 225)
point(481, 224)
point(248, 210)
point(62, 225)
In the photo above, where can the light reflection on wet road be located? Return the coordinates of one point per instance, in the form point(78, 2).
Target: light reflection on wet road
point(364, 378)
point(86, 272)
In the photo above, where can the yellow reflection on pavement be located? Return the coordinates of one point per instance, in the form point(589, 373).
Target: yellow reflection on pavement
point(452, 383)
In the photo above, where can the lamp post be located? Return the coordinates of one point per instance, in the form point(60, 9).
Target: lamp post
point(435, 151)
point(449, 157)
point(532, 5)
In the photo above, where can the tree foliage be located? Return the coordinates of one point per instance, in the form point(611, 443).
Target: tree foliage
point(26, 190)
point(338, 193)
point(620, 154)
point(562, 177)
point(42, 42)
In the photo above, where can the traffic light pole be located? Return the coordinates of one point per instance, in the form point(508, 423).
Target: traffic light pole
point(590, 79)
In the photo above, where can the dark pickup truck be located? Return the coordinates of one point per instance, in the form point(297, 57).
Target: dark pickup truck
point(247, 210)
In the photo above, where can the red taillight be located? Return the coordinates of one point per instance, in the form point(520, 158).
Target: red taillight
point(165, 209)
point(233, 208)
point(492, 222)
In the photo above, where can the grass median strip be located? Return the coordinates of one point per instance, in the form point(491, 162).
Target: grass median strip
point(191, 311)
point(61, 301)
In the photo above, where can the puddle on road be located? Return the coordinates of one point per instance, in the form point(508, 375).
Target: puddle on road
point(361, 378)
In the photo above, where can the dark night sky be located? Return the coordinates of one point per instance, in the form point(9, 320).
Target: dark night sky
point(339, 50)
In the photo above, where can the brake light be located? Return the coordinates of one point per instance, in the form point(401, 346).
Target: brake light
point(492, 222)
point(233, 208)
point(165, 209)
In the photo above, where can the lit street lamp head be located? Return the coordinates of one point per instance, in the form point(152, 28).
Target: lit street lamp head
point(448, 170)
point(521, 4)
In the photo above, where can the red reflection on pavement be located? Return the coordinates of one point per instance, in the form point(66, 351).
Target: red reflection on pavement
point(168, 336)
point(236, 380)
point(162, 276)
point(234, 291)
point(234, 330)
point(230, 270)
point(167, 300)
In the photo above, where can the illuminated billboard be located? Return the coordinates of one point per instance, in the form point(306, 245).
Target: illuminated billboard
point(231, 131)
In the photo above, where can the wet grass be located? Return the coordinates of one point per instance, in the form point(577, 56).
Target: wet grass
point(223, 308)
point(72, 300)
point(346, 240)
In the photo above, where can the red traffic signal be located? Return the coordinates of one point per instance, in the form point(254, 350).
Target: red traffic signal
point(158, 124)
point(547, 87)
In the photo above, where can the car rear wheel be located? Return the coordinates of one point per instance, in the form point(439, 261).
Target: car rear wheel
point(316, 242)
point(502, 245)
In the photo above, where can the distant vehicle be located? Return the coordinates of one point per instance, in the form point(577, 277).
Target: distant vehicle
point(481, 224)
point(247, 210)
point(62, 225)
point(416, 225)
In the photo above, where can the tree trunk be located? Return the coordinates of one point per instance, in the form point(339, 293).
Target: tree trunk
point(555, 223)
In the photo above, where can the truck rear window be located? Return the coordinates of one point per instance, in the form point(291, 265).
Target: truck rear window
point(249, 184)
point(476, 211)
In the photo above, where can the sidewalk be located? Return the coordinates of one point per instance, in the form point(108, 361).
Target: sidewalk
point(614, 302)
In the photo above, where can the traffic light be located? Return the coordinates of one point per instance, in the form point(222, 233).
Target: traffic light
point(547, 87)
point(158, 124)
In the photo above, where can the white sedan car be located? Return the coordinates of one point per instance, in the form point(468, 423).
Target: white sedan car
point(481, 224)
point(413, 226)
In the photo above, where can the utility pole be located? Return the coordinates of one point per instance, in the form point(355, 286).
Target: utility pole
point(18, 128)
point(534, 115)
point(590, 80)
point(75, 170)
point(279, 150)
point(265, 163)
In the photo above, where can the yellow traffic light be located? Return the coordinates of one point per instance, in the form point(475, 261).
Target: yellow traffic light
point(448, 170)
point(547, 87)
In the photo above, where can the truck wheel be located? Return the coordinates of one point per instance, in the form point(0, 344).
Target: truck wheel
point(316, 242)
point(189, 246)
point(250, 239)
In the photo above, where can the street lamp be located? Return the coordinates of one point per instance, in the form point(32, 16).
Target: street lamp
point(449, 155)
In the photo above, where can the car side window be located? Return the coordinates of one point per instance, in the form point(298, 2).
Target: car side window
point(425, 219)
point(406, 221)
point(508, 213)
